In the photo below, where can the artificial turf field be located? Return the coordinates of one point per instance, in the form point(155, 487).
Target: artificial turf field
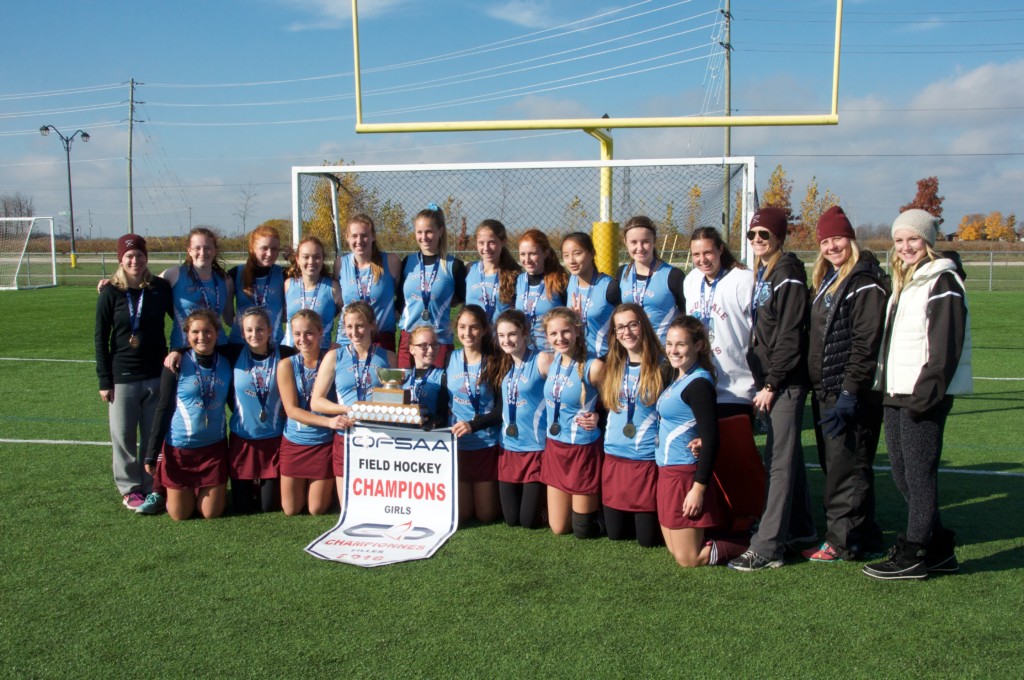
point(88, 589)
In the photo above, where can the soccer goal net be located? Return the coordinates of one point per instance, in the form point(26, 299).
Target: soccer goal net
point(558, 198)
point(27, 254)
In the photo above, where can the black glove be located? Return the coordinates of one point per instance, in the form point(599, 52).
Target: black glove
point(839, 417)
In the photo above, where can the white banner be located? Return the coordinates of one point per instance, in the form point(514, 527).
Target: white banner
point(401, 497)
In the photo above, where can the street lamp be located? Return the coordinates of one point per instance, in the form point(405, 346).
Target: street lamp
point(66, 141)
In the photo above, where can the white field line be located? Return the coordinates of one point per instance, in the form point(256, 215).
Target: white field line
point(60, 442)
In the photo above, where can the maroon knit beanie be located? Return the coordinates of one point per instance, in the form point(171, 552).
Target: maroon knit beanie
point(833, 222)
point(772, 219)
point(130, 242)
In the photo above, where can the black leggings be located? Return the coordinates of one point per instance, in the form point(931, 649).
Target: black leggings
point(248, 496)
point(521, 504)
point(623, 525)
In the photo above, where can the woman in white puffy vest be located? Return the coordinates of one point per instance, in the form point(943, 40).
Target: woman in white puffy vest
point(925, 360)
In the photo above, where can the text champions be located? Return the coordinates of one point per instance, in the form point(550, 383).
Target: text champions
point(390, 488)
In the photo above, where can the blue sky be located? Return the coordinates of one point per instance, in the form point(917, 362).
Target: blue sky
point(235, 93)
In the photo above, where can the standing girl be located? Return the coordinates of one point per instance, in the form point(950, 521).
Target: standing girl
point(719, 291)
point(259, 283)
point(925, 361)
point(432, 282)
point(491, 282)
point(688, 504)
point(130, 349)
point(470, 402)
point(636, 372)
point(309, 285)
point(518, 375)
point(306, 476)
point(351, 372)
point(200, 283)
point(541, 286)
point(648, 280)
point(778, 362)
point(847, 319)
point(572, 455)
point(367, 274)
point(189, 449)
point(591, 294)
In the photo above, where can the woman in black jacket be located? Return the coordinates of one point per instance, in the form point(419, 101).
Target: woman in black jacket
point(849, 292)
point(778, 357)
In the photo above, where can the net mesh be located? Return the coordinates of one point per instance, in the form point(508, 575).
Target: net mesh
point(678, 195)
point(26, 253)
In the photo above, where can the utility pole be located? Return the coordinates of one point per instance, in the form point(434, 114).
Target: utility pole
point(189, 220)
point(727, 185)
point(131, 124)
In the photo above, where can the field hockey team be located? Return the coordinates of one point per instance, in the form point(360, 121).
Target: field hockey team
point(595, 405)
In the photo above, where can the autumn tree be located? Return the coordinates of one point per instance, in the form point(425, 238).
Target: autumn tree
point(283, 227)
point(927, 197)
point(802, 232)
point(997, 229)
point(972, 227)
point(779, 192)
point(1011, 222)
point(736, 227)
point(692, 208)
point(575, 217)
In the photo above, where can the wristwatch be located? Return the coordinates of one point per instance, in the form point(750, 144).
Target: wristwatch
point(769, 387)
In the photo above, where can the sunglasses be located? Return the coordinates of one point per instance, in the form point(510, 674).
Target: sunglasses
point(763, 234)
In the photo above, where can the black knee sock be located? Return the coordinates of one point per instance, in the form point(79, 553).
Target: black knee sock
point(243, 496)
point(620, 524)
point(270, 500)
point(648, 529)
point(584, 525)
point(531, 511)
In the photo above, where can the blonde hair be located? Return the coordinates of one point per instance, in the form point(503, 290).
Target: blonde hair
point(578, 352)
point(652, 358)
point(120, 278)
point(420, 330)
point(770, 263)
point(902, 273)
point(362, 309)
point(821, 266)
point(376, 257)
point(309, 315)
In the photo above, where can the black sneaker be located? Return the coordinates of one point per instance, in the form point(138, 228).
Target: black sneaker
point(906, 562)
point(753, 561)
point(941, 558)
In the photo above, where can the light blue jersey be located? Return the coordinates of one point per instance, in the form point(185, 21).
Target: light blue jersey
point(300, 433)
point(320, 300)
point(359, 284)
point(435, 283)
point(595, 310)
point(199, 417)
point(256, 412)
point(354, 379)
point(653, 294)
point(678, 425)
point(533, 301)
point(482, 289)
point(642, 445)
point(524, 387)
point(190, 294)
point(469, 398)
point(426, 390)
point(268, 293)
point(564, 388)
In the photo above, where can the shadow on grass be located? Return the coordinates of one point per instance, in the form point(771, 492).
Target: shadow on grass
point(1004, 560)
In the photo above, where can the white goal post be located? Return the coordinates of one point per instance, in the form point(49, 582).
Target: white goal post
point(678, 194)
point(28, 254)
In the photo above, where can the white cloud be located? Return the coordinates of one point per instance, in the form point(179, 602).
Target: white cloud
point(330, 14)
point(535, 14)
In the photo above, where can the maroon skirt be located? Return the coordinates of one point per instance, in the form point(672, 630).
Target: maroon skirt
point(518, 467)
point(573, 468)
point(385, 339)
point(199, 468)
point(253, 458)
point(629, 485)
point(301, 461)
point(338, 455)
point(674, 482)
point(480, 465)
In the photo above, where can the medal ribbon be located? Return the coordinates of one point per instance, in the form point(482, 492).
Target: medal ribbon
point(474, 395)
point(316, 294)
point(630, 394)
point(513, 388)
point(362, 371)
point(426, 287)
point(707, 303)
point(260, 298)
point(757, 291)
point(639, 299)
point(216, 307)
point(134, 314)
point(826, 284)
point(528, 308)
point(585, 302)
point(207, 388)
point(308, 377)
point(559, 386)
point(261, 380)
point(362, 287)
point(489, 292)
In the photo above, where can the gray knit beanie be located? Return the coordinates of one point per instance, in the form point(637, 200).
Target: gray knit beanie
point(921, 222)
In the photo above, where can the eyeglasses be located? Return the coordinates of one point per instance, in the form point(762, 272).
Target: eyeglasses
point(762, 234)
point(632, 327)
point(425, 346)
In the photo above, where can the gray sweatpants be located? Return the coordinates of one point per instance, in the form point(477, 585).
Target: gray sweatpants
point(132, 419)
point(787, 512)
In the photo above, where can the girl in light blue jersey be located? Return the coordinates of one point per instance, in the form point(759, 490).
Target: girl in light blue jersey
point(491, 282)
point(306, 476)
point(541, 286)
point(688, 501)
point(590, 293)
point(259, 283)
point(636, 373)
point(517, 375)
point(351, 371)
point(368, 274)
point(648, 280)
point(188, 451)
point(473, 417)
point(426, 382)
point(571, 466)
point(308, 284)
point(200, 283)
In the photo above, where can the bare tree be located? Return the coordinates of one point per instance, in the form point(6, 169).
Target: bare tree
point(16, 205)
point(246, 205)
